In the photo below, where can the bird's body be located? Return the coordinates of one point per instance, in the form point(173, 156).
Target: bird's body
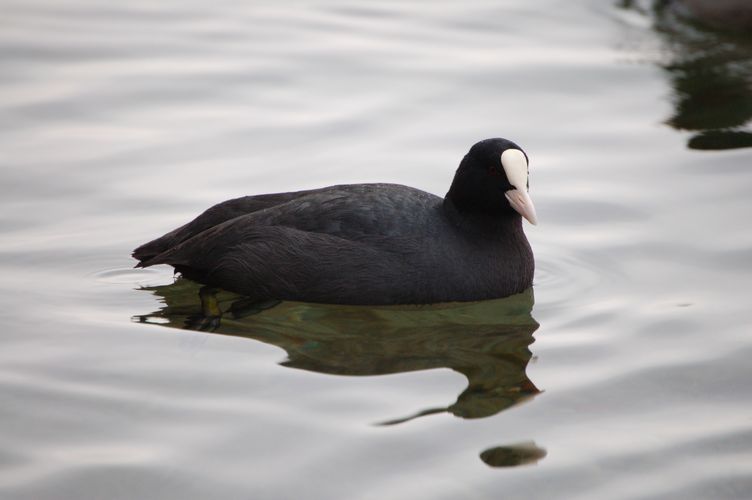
point(352, 244)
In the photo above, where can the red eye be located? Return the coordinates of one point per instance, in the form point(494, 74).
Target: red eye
point(494, 171)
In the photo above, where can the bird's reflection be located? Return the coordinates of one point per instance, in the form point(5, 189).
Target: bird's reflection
point(513, 455)
point(488, 342)
point(709, 65)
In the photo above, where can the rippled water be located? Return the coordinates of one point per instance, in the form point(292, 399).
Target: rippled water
point(626, 376)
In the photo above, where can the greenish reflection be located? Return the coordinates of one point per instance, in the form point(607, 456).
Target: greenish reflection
point(513, 455)
point(487, 342)
point(709, 65)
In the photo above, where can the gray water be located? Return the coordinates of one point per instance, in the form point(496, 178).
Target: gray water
point(623, 374)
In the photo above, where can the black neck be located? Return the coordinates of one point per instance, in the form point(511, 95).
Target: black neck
point(472, 219)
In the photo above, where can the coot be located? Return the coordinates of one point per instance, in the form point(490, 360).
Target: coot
point(368, 243)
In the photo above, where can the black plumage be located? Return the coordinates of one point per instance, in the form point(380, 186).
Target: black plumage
point(362, 243)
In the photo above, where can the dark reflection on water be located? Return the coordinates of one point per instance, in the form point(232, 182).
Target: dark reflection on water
point(513, 455)
point(488, 342)
point(710, 71)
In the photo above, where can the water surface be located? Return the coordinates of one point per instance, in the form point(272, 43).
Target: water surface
point(624, 376)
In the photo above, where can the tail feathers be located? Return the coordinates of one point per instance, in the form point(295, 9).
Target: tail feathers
point(161, 258)
point(160, 245)
point(152, 261)
point(161, 251)
point(147, 261)
point(149, 254)
point(150, 250)
point(180, 264)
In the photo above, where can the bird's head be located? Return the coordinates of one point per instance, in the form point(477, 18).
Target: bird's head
point(493, 179)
